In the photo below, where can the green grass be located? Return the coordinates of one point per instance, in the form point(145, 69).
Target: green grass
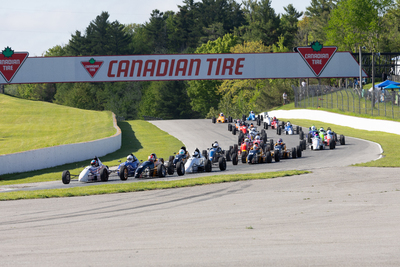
point(27, 125)
point(390, 142)
point(142, 186)
point(139, 137)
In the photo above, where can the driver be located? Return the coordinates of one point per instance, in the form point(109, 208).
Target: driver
point(94, 168)
point(131, 158)
point(196, 153)
point(280, 142)
point(215, 145)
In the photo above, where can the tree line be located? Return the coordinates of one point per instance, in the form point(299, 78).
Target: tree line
point(214, 26)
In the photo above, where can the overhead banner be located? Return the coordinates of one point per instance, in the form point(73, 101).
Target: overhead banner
point(169, 67)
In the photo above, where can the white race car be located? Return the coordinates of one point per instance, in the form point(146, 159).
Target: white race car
point(198, 163)
point(96, 172)
point(317, 143)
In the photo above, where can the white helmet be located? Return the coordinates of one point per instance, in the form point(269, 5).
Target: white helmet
point(181, 152)
point(129, 158)
point(321, 129)
point(195, 153)
point(288, 123)
point(215, 145)
point(313, 128)
point(257, 137)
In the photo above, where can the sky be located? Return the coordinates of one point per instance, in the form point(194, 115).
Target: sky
point(35, 26)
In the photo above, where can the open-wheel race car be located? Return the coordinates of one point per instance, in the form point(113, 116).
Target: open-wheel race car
point(177, 162)
point(96, 172)
point(198, 163)
point(258, 155)
point(217, 156)
point(128, 168)
point(281, 152)
point(221, 119)
point(153, 167)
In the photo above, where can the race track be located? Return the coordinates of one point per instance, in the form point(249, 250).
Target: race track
point(334, 216)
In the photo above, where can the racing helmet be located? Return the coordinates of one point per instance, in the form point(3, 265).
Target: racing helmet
point(251, 112)
point(256, 144)
point(257, 137)
point(247, 140)
point(280, 140)
point(274, 118)
point(329, 131)
point(129, 158)
point(222, 114)
point(313, 128)
point(321, 129)
point(181, 152)
point(288, 123)
point(215, 145)
point(93, 162)
point(196, 153)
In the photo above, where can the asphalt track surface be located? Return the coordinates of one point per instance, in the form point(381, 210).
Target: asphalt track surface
point(334, 216)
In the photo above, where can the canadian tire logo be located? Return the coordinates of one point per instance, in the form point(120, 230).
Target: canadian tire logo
point(11, 62)
point(92, 66)
point(316, 56)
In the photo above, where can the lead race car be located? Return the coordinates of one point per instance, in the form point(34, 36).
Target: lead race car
point(96, 172)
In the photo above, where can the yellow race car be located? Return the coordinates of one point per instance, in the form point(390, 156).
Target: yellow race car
point(221, 119)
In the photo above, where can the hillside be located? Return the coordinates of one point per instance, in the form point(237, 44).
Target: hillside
point(27, 125)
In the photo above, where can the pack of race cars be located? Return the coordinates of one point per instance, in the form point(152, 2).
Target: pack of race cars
point(253, 147)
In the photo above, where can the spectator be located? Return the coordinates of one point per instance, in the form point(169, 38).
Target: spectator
point(284, 98)
point(384, 76)
point(303, 83)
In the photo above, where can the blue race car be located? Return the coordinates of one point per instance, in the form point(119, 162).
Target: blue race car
point(128, 167)
point(252, 116)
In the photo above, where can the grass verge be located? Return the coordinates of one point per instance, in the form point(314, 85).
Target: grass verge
point(390, 142)
point(142, 186)
point(27, 125)
point(139, 137)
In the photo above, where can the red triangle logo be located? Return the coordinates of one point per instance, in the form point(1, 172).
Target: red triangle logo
point(317, 59)
point(92, 66)
point(11, 62)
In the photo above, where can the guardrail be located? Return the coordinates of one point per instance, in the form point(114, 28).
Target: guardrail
point(376, 102)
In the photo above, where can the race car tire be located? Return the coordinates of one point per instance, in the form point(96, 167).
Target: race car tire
point(335, 137)
point(309, 138)
point(279, 131)
point(277, 157)
point(267, 148)
point(234, 130)
point(104, 175)
point(282, 124)
point(208, 166)
point(222, 164)
point(180, 168)
point(171, 168)
point(235, 159)
point(161, 170)
point(269, 157)
point(228, 156)
point(304, 144)
point(331, 144)
point(230, 127)
point(258, 122)
point(342, 140)
point(66, 177)
point(123, 173)
point(299, 153)
point(230, 119)
point(301, 135)
point(243, 117)
point(265, 125)
point(214, 120)
point(235, 148)
point(294, 152)
point(271, 143)
point(204, 153)
point(244, 157)
point(171, 158)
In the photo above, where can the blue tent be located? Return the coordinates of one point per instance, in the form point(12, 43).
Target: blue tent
point(386, 83)
point(392, 86)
